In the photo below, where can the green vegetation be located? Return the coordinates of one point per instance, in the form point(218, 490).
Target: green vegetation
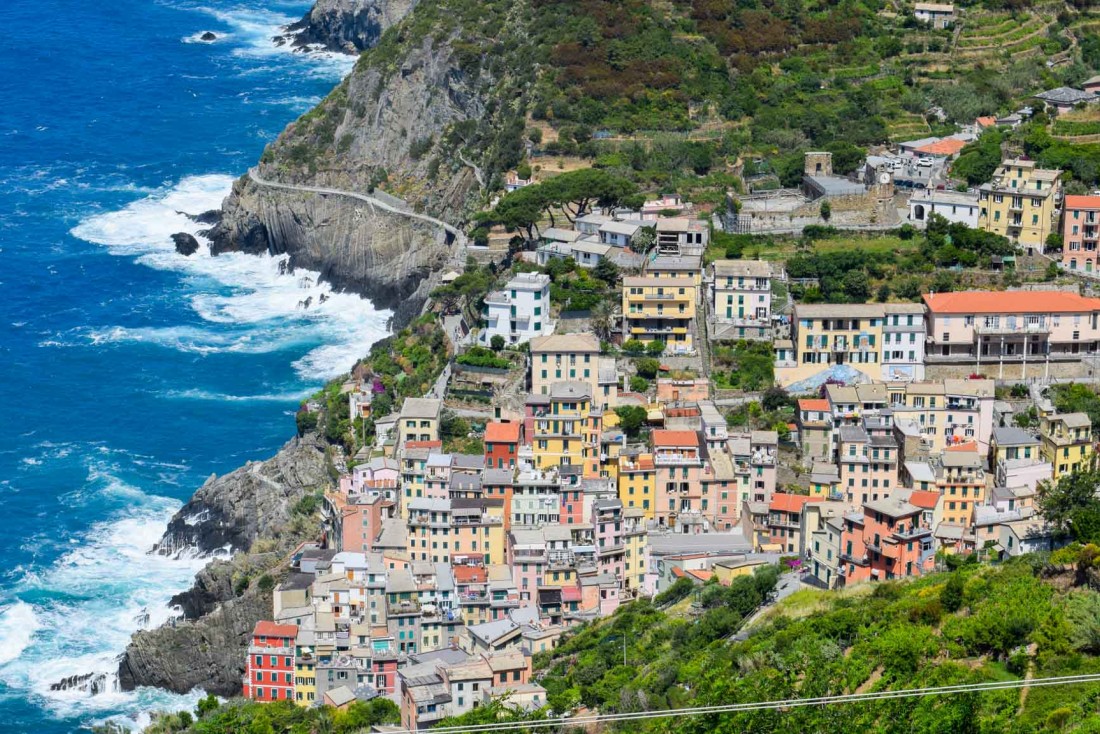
point(1076, 398)
point(975, 624)
point(631, 419)
point(405, 364)
point(248, 717)
point(745, 365)
point(482, 357)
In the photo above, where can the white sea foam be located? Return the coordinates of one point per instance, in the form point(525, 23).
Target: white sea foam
point(106, 584)
point(18, 625)
point(264, 310)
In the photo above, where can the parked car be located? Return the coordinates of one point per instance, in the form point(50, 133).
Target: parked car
point(926, 162)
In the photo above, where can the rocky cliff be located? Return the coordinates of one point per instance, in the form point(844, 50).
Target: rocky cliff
point(421, 116)
point(347, 26)
point(255, 512)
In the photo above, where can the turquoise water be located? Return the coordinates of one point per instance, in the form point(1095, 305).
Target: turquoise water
point(131, 373)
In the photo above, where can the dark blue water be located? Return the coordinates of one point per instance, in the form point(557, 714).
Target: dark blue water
point(130, 373)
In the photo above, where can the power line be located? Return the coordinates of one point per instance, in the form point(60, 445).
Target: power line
point(767, 705)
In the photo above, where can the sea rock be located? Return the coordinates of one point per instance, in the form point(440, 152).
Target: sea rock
point(347, 26)
point(208, 217)
point(208, 653)
point(248, 511)
point(186, 244)
point(229, 512)
point(208, 36)
point(93, 683)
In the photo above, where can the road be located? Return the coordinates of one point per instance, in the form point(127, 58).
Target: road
point(459, 235)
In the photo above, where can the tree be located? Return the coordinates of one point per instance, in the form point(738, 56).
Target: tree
point(601, 319)
point(951, 595)
point(497, 342)
point(1061, 501)
point(607, 271)
point(826, 210)
point(655, 348)
point(647, 367)
point(856, 286)
point(775, 398)
point(883, 293)
point(631, 418)
point(634, 347)
point(638, 384)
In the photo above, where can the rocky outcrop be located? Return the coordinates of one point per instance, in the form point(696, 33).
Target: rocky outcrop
point(93, 683)
point(230, 512)
point(250, 512)
point(208, 653)
point(186, 244)
point(347, 26)
point(391, 124)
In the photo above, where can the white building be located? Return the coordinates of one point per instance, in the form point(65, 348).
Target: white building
point(619, 234)
point(742, 299)
point(937, 15)
point(520, 312)
point(903, 342)
point(954, 206)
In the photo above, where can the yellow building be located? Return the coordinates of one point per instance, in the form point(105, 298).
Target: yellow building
point(564, 358)
point(638, 484)
point(413, 477)
point(1020, 202)
point(419, 419)
point(961, 481)
point(567, 428)
point(1066, 442)
point(660, 309)
point(305, 674)
point(824, 480)
point(824, 335)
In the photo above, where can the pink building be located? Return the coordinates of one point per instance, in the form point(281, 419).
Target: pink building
point(785, 520)
point(671, 390)
point(1080, 232)
point(887, 540)
point(609, 531)
point(679, 474)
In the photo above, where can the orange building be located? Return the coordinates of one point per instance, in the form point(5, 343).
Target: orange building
point(502, 442)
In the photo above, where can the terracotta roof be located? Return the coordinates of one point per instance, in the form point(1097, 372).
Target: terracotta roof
point(790, 502)
point(989, 121)
point(1076, 201)
point(966, 446)
point(470, 574)
point(924, 499)
point(700, 574)
point(423, 444)
point(502, 432)
point(947, 146)
point(813, 404)
point(662, 437)
point(270, 629)
point(570, 593)
point(968, 302)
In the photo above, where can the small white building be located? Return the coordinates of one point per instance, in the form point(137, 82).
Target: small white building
point(954, 206)
point(937, 15)
point(619, 234)
point(519, 312)
point(588, 253)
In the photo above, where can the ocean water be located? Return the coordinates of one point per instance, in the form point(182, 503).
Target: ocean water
point(130, 373)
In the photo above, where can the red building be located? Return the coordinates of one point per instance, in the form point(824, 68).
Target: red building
point(269, 670)
point(502, 440)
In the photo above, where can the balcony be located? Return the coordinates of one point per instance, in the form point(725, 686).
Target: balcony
point(674, 460)
point(911, 532)
point(407, 606)
point(1011, 330)
point(661, 297)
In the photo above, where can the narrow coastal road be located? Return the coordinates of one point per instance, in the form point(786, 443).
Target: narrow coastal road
point(459, 235)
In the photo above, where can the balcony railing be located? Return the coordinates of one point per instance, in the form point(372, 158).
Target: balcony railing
point(1013, 330)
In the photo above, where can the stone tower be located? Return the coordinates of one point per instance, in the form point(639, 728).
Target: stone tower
point(819, 164)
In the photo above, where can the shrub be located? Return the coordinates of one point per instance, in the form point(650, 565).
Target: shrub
point(638, 384)
point(634, 347)
point(497, 342)
point(655, 348)
point(648, 367)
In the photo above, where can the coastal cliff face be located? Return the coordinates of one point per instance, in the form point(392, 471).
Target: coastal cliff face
point(348, 26)
point(421, 116)
point(254, 511)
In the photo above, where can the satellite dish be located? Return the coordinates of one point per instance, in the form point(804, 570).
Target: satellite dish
point(884, 177)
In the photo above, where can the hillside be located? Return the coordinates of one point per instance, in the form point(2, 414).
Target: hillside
point(674, 94)
point(977, 623)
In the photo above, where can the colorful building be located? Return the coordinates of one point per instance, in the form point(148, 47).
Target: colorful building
point(502, 442)
point(638, 483)
point(741, 299)
point(1020, 202)
point(269, 669)
point(1066, 442)
point(660, 309)
point(1080, 233)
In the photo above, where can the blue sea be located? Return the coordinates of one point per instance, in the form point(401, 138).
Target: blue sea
point(130, 373)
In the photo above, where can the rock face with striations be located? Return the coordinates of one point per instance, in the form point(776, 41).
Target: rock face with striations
point(390, 121)
point(348, 26)
point(255, 503)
